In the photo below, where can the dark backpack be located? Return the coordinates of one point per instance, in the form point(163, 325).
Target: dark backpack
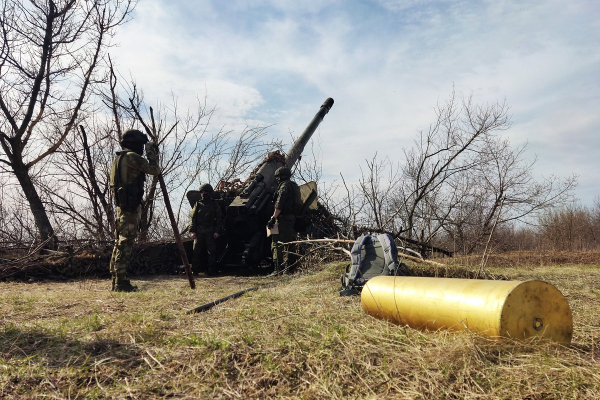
point(372, 255)
point(128, 196)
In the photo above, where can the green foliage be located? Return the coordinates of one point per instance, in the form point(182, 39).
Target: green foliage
point(94, 322)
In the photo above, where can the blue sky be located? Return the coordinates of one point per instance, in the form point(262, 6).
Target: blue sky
point(386, 63)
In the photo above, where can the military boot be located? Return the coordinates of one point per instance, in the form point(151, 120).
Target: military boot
point(276, 268)
point(211, 270)
point(125, 286)
point(286, 269)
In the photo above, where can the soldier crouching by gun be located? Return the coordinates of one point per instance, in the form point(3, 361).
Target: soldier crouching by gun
point(287, 201)
point(127, 177)
point(205, 227)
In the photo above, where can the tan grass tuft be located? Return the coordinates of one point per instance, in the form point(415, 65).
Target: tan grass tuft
point(295, 339)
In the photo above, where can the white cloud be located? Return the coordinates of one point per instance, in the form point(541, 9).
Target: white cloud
point(269, 61)
point(401, 5)
point(288, 6)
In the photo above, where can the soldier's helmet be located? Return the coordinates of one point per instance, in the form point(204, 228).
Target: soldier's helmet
point(283, 173)
point(133, 136)
point(205, 187)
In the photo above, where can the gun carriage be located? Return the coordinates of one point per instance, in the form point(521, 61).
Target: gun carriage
point(248, 207)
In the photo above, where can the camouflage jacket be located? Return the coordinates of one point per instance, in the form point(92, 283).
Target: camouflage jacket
point(206, 217)
point(287, 198)
point(127, 176)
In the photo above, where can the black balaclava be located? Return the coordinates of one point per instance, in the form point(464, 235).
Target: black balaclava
point(135, 147)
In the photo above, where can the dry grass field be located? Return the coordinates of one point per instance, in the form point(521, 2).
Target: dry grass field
point(294, 339)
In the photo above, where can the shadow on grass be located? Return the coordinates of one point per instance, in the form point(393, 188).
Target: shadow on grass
point(55, 351)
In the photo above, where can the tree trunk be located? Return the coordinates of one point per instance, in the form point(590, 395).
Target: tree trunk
point(37, 207)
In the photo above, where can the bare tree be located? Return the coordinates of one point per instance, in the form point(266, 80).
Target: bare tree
point(459, 180)
point(378, 185)
point(336, 214)
point(191, 151)
point(48, 61)
point(347, 212)
point(439, 155)
point(417, 196)
point(501, 187)
point(14, 225)
point(79, 199)
point(572, 227)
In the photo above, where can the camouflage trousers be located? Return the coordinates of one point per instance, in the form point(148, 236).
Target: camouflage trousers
point(126, 230)
point(205, 244)
point(282, 253)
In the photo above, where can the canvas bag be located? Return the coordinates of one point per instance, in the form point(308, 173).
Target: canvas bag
point(372, 255)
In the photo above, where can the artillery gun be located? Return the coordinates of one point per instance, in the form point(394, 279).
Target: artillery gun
point(248, 209)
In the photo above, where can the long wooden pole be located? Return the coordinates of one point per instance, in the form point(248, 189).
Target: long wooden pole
point(163, 187)
point(184, 258)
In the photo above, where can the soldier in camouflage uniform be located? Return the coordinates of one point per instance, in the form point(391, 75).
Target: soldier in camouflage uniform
point(287, 201)
point(127, 177)
point(205, 227)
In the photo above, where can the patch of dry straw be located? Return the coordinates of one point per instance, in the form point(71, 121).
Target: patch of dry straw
point(295, 339)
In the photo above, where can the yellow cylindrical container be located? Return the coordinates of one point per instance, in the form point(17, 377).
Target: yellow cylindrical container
point(492, 308)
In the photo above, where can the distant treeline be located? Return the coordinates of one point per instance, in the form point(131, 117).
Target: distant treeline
point(572, 227)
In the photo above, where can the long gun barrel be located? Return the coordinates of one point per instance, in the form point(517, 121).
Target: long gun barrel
point(264, 184)
point(298, 147)
point(248, 213)
point(267, 172)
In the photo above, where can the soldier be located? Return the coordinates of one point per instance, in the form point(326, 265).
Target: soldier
point(205, 227)
point(127, 177)
point(287, 204)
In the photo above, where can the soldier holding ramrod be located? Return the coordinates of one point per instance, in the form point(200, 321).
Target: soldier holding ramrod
point(127, 177)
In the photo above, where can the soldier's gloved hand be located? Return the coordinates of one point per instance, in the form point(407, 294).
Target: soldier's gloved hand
point(151, 148)
point(271, 223)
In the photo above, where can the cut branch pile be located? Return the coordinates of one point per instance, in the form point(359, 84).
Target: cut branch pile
point(328, 248)
point(147, 259)
point(153, 258)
